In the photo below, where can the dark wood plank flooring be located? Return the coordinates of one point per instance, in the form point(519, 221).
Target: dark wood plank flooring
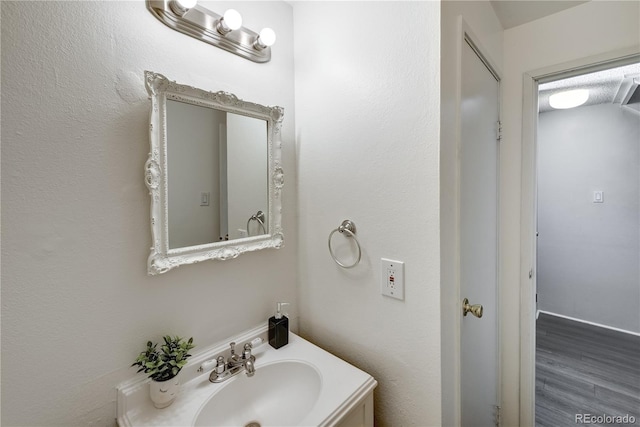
point(585, 369)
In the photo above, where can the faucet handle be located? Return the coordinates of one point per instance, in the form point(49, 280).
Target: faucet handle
point(221, 365)
point(234, 357)
point(246, 354)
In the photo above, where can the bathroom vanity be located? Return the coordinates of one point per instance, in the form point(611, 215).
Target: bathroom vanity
point(297, 385)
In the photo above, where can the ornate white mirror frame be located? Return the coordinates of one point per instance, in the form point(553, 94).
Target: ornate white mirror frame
point(162, 257)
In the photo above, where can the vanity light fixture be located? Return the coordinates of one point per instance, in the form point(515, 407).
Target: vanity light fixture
point(569, 99)
point(224, 31)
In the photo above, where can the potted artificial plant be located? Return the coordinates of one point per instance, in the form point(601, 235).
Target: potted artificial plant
point(163, 366)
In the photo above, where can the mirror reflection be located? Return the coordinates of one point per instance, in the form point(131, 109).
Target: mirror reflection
point(214, 174)
point(217, 175)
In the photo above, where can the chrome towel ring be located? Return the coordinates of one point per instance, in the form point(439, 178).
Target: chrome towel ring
point(348, 227)
point(259, 216)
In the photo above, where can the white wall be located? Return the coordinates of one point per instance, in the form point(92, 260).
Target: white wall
point(193, 142)
point(367, 120)
point(481, 19)
point(588, 252)
point(566, 36)
point(77, 305)
point(246, 173)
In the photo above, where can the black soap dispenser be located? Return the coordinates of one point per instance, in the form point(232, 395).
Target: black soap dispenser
point(279, 328)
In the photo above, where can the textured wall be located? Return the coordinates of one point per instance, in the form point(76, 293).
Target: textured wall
point(566, 36)
point(588, 252)
point(77, 305)
point(367, 120)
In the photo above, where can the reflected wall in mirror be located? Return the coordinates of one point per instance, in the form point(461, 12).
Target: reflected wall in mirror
point(214, 174)
point(217, 175)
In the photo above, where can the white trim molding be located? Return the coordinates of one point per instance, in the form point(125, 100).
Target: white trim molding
point(599, 325)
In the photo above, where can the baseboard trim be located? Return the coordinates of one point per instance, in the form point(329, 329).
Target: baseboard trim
point(587, 322)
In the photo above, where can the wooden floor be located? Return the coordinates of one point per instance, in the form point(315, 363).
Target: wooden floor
point(584, 369)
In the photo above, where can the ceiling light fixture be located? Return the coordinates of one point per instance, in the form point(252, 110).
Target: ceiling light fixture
point(569, 99)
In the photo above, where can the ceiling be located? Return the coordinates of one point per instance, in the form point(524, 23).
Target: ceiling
point(608, 86)
point(605, 87)
point(512, 13)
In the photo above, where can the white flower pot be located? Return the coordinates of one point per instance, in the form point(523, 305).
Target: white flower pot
point(163, 393)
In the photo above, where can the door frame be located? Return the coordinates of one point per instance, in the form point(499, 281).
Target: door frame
point(528, 206)
point(466, 35)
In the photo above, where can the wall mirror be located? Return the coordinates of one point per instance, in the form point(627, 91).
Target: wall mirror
point(214, 174)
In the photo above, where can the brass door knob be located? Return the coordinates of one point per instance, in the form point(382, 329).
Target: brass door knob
point(475, 309)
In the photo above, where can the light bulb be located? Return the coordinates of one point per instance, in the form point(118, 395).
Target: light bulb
point(180, 7)
point(187, 4)
point(568, 99)
point(266, 38)
point(232, 19)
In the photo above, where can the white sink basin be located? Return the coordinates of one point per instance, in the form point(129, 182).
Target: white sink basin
point(279, 394)
point(297, 385)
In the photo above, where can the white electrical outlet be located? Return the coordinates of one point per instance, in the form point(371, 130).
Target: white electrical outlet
point(392, 278)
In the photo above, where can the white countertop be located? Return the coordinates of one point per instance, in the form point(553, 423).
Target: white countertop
point(343, 387)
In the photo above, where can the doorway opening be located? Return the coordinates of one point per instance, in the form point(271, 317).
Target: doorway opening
point(586, 247)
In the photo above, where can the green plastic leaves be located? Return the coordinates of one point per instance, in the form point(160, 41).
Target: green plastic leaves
point(166, 363)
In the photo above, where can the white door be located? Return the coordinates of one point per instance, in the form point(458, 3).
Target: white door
point(479, 240)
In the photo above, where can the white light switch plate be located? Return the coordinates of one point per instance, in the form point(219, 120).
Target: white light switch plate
point(392, 278)
point(598, 197)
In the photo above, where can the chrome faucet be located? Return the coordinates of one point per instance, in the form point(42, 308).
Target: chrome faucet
point(234, 365)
